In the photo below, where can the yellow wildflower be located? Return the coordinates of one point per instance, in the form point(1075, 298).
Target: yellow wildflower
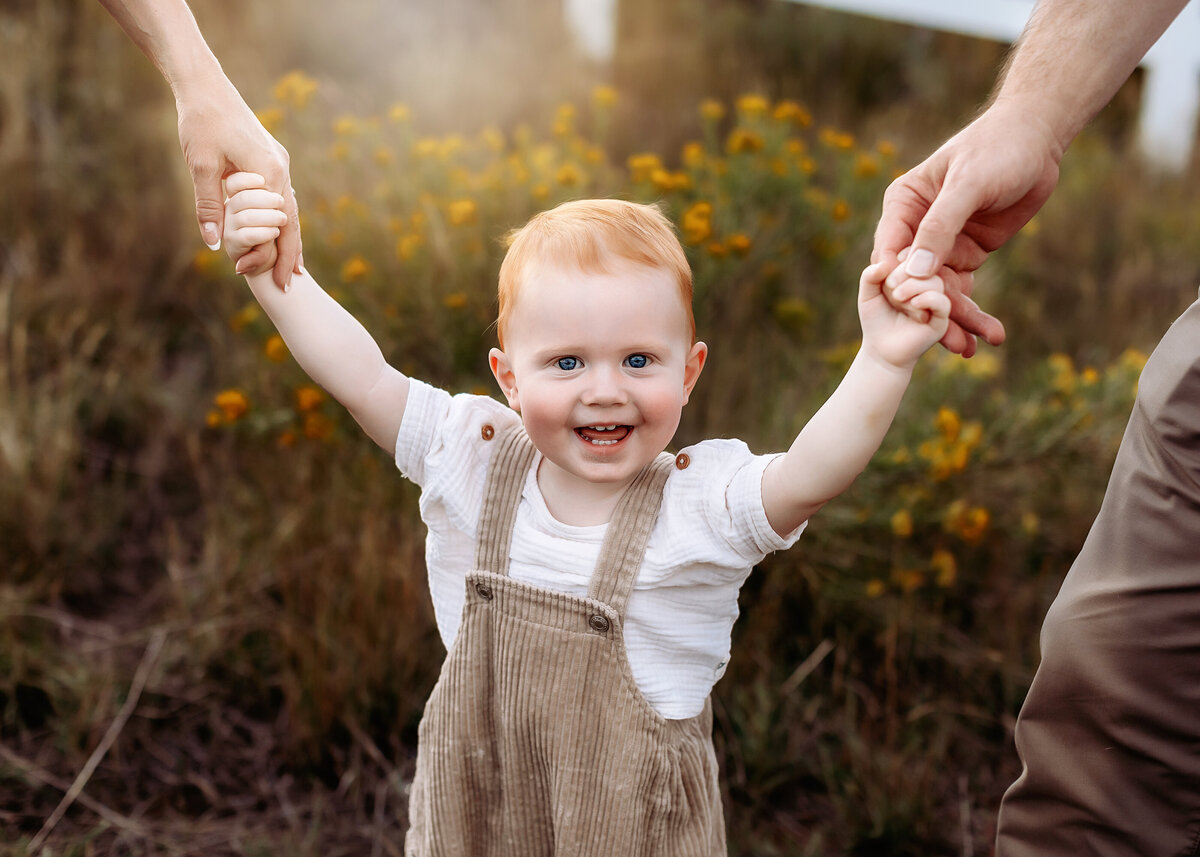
point(275, 350)
point(840, 211)
point(697, 223)
point(462, 212)
point(742, 140)
point(309, 398)
point(909, 579)
point(947, 423)
point(232, 404)
point(945, 568)
point(834, 139)
point(886, 148)
point(1062, 372)
point(270, 118)
point(1133, 359)
point(354, 269)
point(407, 246)
point(712, 110)
point(568, 175)
point(317, 426)
point(902, 524)
point(455, 300)
point(383, 156)
point(347, 126)
point(425, 147)
point(875, 587)
point(399, 113)
point(740, 243)
point(752, 105)
point(969, 523)
point(294, 89)
point(246, 315)
point(212, 419)
point(786, 110)
point(717, 250)
point(642, 166)
point(693, 155)
point(865, 166)
point(449, 146)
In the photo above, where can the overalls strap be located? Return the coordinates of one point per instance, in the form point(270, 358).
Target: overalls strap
point(502, 494)
point(628, 532)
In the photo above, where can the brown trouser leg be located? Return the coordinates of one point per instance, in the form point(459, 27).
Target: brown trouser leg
point(1110, 731)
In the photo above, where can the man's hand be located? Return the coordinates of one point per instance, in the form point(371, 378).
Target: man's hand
point(253, 216)
point(967, 199)
point(220, 134)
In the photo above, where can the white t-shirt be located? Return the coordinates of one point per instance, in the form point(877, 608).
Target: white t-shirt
point(711, 531)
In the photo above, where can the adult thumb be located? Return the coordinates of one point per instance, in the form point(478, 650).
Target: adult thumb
point(938, 231)
point(210, 209)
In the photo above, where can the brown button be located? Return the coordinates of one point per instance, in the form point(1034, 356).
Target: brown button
point(598, 623)
point(682, 461)
point(487, 432)
point(484, 591)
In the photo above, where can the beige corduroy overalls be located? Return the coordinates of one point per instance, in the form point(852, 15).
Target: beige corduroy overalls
point(535, 740)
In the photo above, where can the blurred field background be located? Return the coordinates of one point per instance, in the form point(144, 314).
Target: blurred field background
point(212, 598)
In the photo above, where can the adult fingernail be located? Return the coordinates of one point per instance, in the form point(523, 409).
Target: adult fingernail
point(211, 237)
point(920, 264)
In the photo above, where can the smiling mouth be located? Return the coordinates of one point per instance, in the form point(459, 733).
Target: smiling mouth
point(603, 435)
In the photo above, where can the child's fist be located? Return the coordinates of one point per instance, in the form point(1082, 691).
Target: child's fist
point(253, 217)
point(901, 316)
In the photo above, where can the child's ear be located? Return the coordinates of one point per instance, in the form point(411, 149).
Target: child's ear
point(502, 369)
point(692, 369)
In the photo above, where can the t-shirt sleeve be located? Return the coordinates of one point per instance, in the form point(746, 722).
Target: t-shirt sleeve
point(744, 507)
point(720, 492)
point(425, 413)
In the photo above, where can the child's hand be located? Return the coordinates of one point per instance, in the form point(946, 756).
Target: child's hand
point(253, 216)
point(903, 323)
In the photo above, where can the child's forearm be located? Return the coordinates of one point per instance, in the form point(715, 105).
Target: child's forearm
point(330, 345)
point(837, 443)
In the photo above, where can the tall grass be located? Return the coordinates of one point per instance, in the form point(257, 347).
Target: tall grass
point(165, 469)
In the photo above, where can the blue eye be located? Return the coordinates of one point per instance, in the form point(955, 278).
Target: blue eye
point(567, 364)
point(637, 361)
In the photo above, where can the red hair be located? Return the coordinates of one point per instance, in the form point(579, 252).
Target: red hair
point(591, 235)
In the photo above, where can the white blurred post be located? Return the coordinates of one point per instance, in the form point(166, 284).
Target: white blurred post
point(1171, 92)
point(594, 25)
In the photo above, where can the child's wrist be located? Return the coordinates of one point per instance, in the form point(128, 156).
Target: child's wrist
point(903, 368)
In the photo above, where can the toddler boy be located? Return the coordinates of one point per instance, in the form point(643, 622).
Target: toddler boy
point(585, 582)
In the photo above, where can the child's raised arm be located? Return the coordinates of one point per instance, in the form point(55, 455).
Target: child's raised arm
point(328, 343)
point(839, 440)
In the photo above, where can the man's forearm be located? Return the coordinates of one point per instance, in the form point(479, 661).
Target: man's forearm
point(1075, 54)
point(166, 32)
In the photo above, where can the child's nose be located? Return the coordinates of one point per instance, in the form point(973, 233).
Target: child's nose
point(605, 387)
